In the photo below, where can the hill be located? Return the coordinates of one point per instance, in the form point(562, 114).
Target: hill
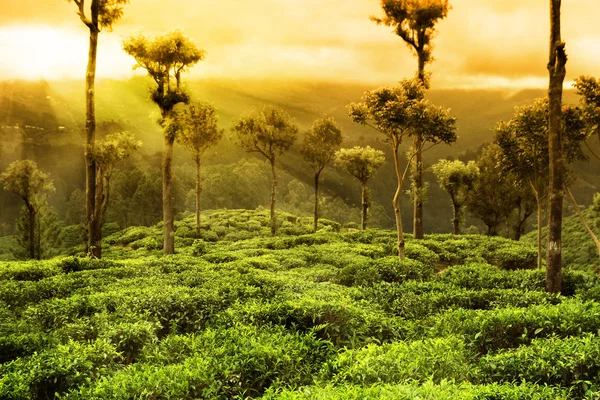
point(44, 121)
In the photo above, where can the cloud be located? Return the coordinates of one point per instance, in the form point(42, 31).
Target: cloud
point(486, 41)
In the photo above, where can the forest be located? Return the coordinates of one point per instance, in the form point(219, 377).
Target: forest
point(164, 237)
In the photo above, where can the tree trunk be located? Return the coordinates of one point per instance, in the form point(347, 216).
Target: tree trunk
point(99, 200)
point(557, 71)
point(365, 205)
point(418, 231)
point(273, 198)
point(167, 197)
point(538, 201)
point(455, 219)
point(198, 190)
point(396, 203)
point(31, 232)
point(316, 214)
point(93, 226)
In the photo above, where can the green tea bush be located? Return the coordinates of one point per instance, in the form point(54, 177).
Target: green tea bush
point(56, 370)
point(130, 338)
point(147, 243)
point(502, 328)
point(391, 270)
point(13, 346)
point(514, 256)
point(572, 362)
point(200, 247)
point(419, 301)
point(241, 362)
point(485, 276)
point(400, 362)
point(28, 270)
point(358, 274)
point(420, 253)
point(426, 391)
point(331, 316)
point(130, 235)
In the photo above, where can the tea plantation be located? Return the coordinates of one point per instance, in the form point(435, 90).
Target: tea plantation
point(329, 315)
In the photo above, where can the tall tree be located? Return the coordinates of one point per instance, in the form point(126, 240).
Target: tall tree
point(108, 152)
point(414, 21)
point(271, 132)
point(524, 145)
point(557, 71)
point(33, 186)
point(197, 131)
point(500, 195)
point(458, 180)
point(589, 90)
point(361, 163)
point(320, 144)
point(165, 58)
point(102, 15)
point(398, 113)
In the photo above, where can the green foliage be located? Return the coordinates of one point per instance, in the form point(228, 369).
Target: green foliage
point(360, 162)
point(236, 362)
point(56, 370)
point(571, 362)
point(402, 362)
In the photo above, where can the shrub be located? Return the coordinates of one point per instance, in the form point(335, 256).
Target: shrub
point(514, 256)
point(572, 362)
point(511, 327)
point(56, 370)
point(28, 270)
point(391, 270)
point(14, 346)
point(199, 247)
point(232, 363)
point(426, 391)
point(130, 338)
point(436, 359)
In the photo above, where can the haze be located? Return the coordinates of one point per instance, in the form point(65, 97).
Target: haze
point(483, 43)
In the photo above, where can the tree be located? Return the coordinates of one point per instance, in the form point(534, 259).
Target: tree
point(398, 113)
point(108, 152)
point(524, 145)
point(47, 234)
point(165, 58)
point(271, 132)
point(102, 15)
point(557, 71)
point(361, 163)
point(515, 204)
point(458, 180)
point(196, 128)
point(320, 145)
point(589, 90)
point(414, 21)
point(33, 186)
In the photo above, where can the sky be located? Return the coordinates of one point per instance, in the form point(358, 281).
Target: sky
point(481, 44)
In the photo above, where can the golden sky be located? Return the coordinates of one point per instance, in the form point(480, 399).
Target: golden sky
point(482, 43)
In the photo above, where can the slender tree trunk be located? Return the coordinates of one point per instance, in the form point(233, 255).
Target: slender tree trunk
point(316, 213)
point(31, 232)
point(418, 230)
point(99, 200)
point(557, 71)
point(396, 203)
point(583, 221)
point(167, 197)
point(365, 205)
point(93, 226)
point(198, 190)
point(538, 201)
point(273, 198)
point(455, 219)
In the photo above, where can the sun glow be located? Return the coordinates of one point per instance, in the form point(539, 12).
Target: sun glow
point(40, 52)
